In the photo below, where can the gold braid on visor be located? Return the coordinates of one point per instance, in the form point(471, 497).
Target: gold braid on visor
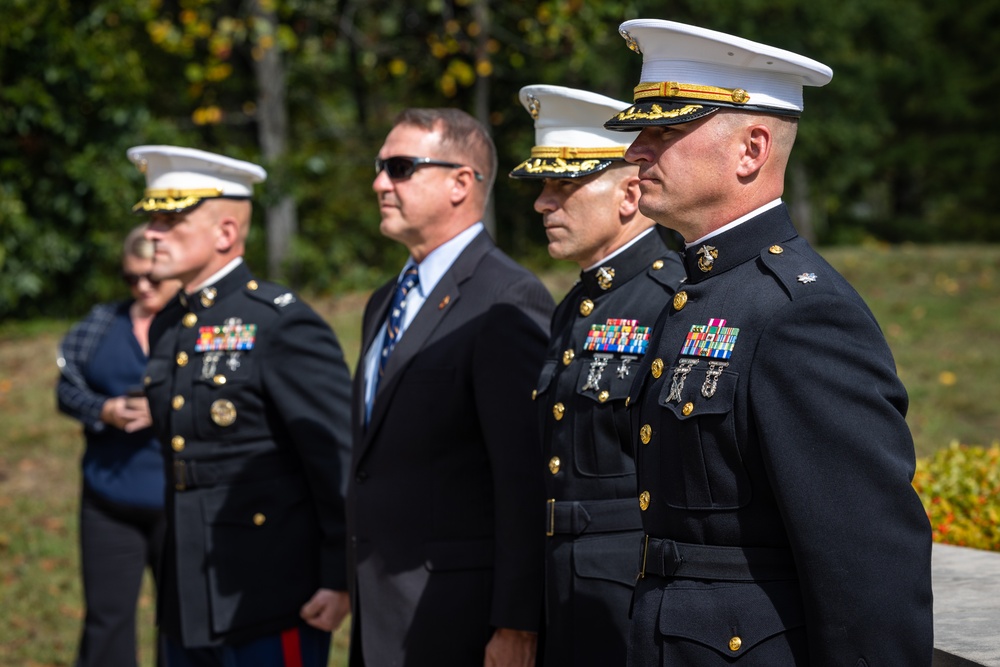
point(690, 91)
point(570, 153)
point(174, 200)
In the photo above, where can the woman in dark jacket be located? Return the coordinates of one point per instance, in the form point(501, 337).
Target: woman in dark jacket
point(102, 360)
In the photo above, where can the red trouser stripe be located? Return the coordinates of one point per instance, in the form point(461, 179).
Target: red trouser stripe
point(290, 648)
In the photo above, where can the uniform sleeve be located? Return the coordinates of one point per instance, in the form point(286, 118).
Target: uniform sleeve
point(830, 412)
point(508, 357)
point(74, 396)
point(309, 386)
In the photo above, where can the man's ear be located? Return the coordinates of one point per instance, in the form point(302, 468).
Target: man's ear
point(629, 204)
point(463, 182)
point(227, 233)
point(756, 149)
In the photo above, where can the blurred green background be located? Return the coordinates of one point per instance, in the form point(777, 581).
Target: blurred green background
point(901, 146)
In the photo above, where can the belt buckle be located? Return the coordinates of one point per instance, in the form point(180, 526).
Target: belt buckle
point(180, 475)
point(551, 505)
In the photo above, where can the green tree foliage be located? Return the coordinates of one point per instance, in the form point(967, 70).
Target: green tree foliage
point(900, 146)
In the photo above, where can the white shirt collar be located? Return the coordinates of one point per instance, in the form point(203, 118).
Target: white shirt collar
point(219, 275)
point(620, 250)
point(738, 221)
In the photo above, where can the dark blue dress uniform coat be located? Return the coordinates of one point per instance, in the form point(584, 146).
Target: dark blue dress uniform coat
point(774, 466)
point(593, 525)
point(445, 499)
point(256, 439)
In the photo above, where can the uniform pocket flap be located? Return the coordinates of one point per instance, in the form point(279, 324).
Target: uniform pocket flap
point(459, 555)
point(702, 392)
point(731, 618)
point(254, 505)
point(609, 558)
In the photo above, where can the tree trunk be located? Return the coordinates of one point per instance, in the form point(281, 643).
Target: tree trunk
point(481, 14)
point(801, 207)
point(272, 132)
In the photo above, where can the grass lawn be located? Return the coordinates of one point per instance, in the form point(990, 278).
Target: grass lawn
point(939, 308)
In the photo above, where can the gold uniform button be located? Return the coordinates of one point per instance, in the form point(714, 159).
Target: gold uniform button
point(558, 411)
point(774, 250)
point(554, 464)
point(687, 409)
point(644, 501)
point(182, 359)
point(568, 356)
point(603, 396)
point(735, 643)
point(628, 399)
point(657, 265)
point(534, 394)
point(259, 519)
point(680, 300)
point(190, 320)
point(645, 433)
point(147, 380)
point(656, 368)
point(177, 402)
point(219, 379)
point(177, 443)
point(586, 307)
point(252, 285)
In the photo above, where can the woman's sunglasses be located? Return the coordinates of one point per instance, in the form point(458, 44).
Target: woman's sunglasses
point(133, 279)
point(399, 167)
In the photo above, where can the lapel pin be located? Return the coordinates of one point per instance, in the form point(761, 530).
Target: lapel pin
point(444, 302)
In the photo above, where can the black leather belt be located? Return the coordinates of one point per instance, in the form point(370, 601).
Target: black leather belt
point(190, 474)
point(576, 517)
point(666, 558)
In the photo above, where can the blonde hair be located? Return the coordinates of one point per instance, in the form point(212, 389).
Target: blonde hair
point(137, 245)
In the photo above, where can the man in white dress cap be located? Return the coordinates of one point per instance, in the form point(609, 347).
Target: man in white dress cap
point(773, 457)
point(250, 396)
point(589, 203)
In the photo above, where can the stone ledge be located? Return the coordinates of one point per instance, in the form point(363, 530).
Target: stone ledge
point(966, 606)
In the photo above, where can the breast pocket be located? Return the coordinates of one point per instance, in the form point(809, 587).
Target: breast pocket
point(226, 399)
point(601, 429)
point(700, 460)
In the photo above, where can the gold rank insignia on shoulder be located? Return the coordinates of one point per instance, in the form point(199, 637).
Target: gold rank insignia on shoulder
point(605, 275)
point(706, 257)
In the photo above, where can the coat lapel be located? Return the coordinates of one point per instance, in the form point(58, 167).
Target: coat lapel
point(439, 303)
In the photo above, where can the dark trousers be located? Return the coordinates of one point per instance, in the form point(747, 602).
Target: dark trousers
point(117, 543)
point(302, 646)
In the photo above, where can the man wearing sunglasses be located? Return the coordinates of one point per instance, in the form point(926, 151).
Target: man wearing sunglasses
point(444, 491)
point(589, 203)
point(249, 394)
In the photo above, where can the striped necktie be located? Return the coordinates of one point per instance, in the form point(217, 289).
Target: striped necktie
point(397, 311)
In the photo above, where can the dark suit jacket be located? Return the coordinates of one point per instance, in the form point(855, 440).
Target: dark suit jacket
point(256, 443)
point(445, 496)
point(794, 447)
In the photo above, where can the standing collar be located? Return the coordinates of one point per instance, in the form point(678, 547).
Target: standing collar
point(739, 244)
point(621, 266)
point(738, 221)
